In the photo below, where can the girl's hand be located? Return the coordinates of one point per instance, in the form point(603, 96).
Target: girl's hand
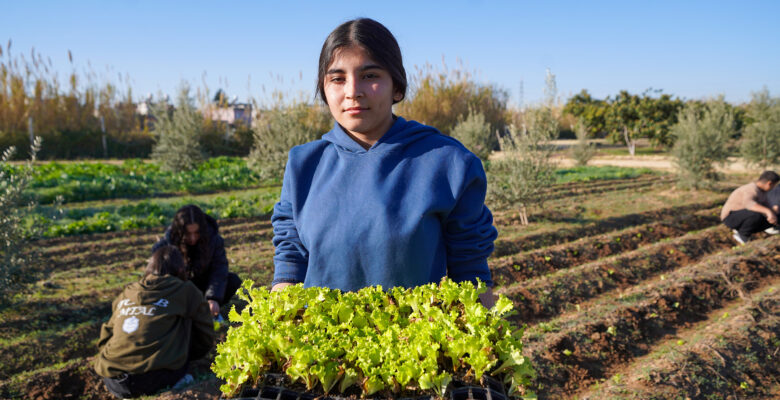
point(280, 286)
point(214, 307)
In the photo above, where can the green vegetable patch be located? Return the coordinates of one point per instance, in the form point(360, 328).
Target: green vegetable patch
point(373, 342)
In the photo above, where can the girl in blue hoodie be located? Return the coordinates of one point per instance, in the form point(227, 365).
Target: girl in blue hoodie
point(379, 200)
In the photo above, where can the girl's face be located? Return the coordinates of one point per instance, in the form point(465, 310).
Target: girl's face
point(360, 94)
point(192, 235)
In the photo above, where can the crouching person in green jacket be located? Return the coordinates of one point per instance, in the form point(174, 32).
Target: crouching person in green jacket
point(158, 325)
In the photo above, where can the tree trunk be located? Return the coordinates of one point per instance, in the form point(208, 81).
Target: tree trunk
point(523, 215)
point(631, 143)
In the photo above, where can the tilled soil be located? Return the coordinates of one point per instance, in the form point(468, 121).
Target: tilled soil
point(545, 297)
point(507, 270)
point(591, 344)
point(504, 247)
point(732, 355)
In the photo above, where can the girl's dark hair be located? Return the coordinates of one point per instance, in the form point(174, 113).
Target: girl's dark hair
point(372, 37)
point(167, 260)
point(191, 214)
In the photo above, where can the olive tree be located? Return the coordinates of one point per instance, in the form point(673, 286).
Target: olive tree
point(475, 133)
point(279, 129)
point(15, 254)
point(177, 134)
point(519, 178)
point(582, 150)
point(761, 137)
point(702, 135)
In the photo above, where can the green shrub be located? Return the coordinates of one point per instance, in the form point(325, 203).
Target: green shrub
point(761, 138)
point(519, 178)
point(177, 134)
point(582, 151)
point(474, 133)
point(281, 128)
point(445, 98)
point(702, 134)
point(15, 252)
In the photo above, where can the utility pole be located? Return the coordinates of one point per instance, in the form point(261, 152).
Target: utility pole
point(521, 93)
point(103, 129)
point(30, 129)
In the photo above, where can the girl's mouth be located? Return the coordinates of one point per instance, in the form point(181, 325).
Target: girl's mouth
point(355, 110)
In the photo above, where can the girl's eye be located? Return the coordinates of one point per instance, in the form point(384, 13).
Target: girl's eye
point(336, 79)
point(371, 75)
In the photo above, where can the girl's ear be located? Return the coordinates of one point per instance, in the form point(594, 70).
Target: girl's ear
point(398, 96)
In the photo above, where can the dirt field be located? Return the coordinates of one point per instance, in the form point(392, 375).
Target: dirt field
point(629, 288)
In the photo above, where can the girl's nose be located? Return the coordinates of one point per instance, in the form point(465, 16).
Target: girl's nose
point(352, 89)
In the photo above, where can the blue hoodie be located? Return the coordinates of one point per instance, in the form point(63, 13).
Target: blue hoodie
point(406, 212)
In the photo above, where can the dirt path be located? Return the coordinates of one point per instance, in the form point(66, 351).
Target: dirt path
point(664, 163)
point(735, 165)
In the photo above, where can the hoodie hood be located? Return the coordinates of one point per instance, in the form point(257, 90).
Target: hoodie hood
point(155, 287)
point(401, 134)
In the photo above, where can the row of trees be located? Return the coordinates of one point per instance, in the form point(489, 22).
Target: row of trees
point(628, 117)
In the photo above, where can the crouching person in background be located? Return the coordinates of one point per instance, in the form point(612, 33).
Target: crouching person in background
point(197, 237)
point(747, 210)
point(158, 325)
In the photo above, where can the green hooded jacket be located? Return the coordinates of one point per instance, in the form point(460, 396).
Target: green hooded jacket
point(157, 323)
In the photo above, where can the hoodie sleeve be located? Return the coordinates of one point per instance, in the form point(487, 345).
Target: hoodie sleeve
point(218, 271)
point(107, 329)
point(202, 325)
point(291, 258)
point(468, 229)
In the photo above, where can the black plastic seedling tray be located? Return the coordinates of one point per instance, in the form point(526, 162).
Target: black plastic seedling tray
point(274, 389)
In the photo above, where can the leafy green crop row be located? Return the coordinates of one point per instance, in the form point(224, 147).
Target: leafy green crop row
point(146, 213)
point(388, 343)
point(83, 181)
point(593, 173)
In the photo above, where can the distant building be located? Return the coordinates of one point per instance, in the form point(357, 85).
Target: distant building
point(231, 112)
point(218, 110)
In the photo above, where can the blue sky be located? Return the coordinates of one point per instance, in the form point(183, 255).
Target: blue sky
point(691, 49)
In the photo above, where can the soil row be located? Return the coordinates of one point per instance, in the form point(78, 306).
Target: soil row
point(504, 247)
point(610, 333)
point(140, 237)
point(520, 267)
point(632, 185)
point(602, 182)
point(546, 297)
point(98, 253)
point(733, 355)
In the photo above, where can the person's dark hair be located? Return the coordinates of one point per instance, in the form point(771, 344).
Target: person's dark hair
point(167, 260)
point(372, 37)
point(769, 176)
point(191, 214)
